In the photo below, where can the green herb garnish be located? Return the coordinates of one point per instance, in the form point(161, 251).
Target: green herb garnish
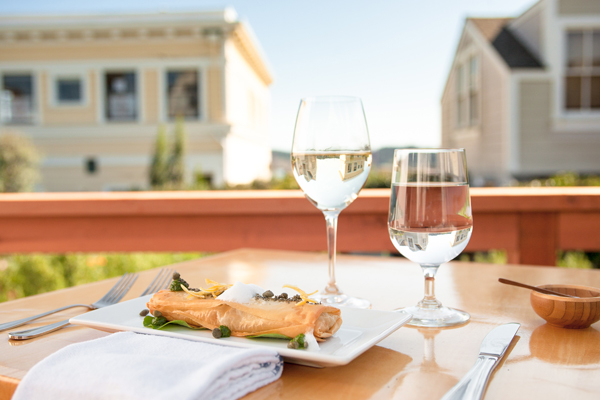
point(161, 322)
point(298, 342)
point(176, 285)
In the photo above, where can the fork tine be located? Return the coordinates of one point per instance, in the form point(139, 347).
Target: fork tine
point(167, 281)
point(114, 288)
point(159, 282)
point(122, 291)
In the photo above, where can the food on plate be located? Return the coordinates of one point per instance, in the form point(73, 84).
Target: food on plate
point(243, 310)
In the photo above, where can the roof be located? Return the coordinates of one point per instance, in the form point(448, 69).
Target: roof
point(489, 27)
point(514, 52)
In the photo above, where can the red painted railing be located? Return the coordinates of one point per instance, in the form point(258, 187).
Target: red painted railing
point(529, 223)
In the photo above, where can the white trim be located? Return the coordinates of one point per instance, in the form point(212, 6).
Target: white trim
point(563, 119)
point(18, 66)
point(52, 81)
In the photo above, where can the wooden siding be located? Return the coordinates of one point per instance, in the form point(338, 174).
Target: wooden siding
point(55, 115)
point(215, 90)
point(486, 143)
point(105, 50)
point(578, 7)
point(544, 151)
point(152, 95)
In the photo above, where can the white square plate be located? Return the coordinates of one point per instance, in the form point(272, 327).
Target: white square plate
point(361, 329)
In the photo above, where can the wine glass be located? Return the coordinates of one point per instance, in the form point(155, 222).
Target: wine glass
point(430, 221)
point(331, 160)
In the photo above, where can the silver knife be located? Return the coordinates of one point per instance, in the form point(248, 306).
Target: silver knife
point(473, 384)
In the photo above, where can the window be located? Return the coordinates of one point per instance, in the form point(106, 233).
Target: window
point(68, 90)
point(467, 93)
point(460, 97)
point(582, 80)
point(473, 91)
point(182, 94)
point(18, 94)
point(91, 165)
point(121, 100)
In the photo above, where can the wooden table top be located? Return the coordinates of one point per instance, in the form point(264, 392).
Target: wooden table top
point(543, 361)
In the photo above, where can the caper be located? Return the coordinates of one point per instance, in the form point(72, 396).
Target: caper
point(293, 344)
point(283, 295)
point(217, 333)
point(176, 276)
point(157, 314)
point(144, 312)
point(268, 294)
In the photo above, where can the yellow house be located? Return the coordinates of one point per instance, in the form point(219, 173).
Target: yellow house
point(92, 90)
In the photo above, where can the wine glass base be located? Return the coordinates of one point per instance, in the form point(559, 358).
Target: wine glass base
point(435, 318)
point(341, 300)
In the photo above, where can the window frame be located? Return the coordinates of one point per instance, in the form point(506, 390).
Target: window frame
point(35, 109)
point(584, 72)
point(138, 95)
point(53, 79)
point(165, 89)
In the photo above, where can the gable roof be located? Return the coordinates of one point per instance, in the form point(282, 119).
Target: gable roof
point(489, 27)
point(514, 52)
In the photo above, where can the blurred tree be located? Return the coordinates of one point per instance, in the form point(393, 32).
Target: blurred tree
point(159, 172)
point(18, 163)
point(176, 166)
point(379, 179)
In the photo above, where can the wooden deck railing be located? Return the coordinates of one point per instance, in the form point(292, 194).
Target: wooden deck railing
point(529, 223)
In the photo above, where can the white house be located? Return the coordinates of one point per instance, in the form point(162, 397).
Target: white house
point(523, 94)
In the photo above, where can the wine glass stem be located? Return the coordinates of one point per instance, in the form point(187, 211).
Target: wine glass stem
point(331, 218)
point(429, 301)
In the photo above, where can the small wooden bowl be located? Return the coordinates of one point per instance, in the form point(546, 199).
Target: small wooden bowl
point(568, 312)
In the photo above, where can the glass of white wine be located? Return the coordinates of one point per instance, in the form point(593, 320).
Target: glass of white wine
point(430, 221)
point(331, 160)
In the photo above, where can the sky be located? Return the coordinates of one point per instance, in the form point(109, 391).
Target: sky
point(393, 54)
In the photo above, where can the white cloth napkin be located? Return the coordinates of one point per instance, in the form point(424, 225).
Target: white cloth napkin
point(134, 366)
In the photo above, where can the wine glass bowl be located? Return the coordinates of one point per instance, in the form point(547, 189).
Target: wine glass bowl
point(331, 160)
point(430, 221)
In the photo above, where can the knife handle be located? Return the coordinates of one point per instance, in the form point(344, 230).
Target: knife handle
point(481, 375)
point(472, 385)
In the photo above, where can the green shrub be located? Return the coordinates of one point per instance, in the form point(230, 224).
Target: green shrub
point(28, 274)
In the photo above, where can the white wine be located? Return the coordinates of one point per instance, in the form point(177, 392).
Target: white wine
point(331, 180)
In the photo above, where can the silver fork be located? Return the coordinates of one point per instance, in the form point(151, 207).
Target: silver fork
point(113, 296)
point(161, 281)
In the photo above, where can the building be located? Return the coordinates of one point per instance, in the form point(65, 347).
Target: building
point(523, 94)
point(92, 90)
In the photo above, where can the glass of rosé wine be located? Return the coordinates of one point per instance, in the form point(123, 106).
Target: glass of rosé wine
point(430, 221)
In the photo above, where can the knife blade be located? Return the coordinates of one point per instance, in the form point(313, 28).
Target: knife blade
point(493, 347)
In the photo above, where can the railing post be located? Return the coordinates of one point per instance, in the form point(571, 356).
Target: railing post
point(537, 238)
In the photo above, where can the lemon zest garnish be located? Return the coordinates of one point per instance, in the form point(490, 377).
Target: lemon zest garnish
point(303, 295)
point(215, 290)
